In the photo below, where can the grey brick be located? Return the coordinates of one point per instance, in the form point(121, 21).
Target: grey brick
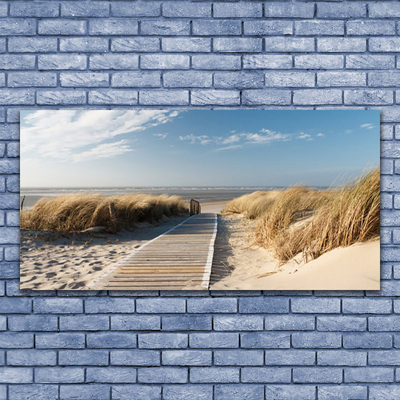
point(135, 322)
point(214, 340)
point(135, 44)
point(163, 340)
point(267, 61)
point(214, 61)
point(238, 10)
point(130, 392)
point(368, 374)
point(32, 44)
point(263, 96)
point(110, 96)
point(342, 358)
point(234, 392)
point(341, 323)
point(186, 357)
point(33, 391)
point(182, 9)
point(365, 27)
point(214, 375)
point(179, 392)
point(84, 79)
point(290, 357)
point(241, 323)
point(290, 79)
point(261, 340)
point(83, 357)
point(288, 10)
point(369, 61)
point(216, 27)
point(31, 357)
point(317, 375)
point(319, 61)
point(187, 79)
point(17, 26)
point(84, 44)
point(164, 61)
point(59, 375)
point(261, 28)
point(317, 96)
point(318, 27)
point(367, 341)
point(111, 375)
point(266, 375)
point(110, 340)
point(113, 27)
point(37, 9)
point(291, 392)
point(135, 357)
point(384, 10)
point(237, 45)
point(61, 27)
point(113, 61)
point(162, 375)
point(187, 323)
point(321, 340)
point(346, 10)
point(193, 45)
point(368, 97)
point(332, 392)
point(165, 28)
point(86, 9)
point(341, 45)
point(32, 79)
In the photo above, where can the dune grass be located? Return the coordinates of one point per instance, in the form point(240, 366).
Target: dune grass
point(312, 222)
point(77, 212)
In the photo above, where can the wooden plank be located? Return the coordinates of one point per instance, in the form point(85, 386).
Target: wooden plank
point(180, 258)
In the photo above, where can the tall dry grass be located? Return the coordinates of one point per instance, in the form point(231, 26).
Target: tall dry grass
point(77, 212)
point(312, 222)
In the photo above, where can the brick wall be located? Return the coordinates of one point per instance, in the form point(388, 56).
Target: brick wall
point(221, 345)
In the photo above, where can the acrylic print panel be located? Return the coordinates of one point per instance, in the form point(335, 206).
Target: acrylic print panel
point(198, 200)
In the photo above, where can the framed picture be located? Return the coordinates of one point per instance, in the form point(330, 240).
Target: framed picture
point(148, 199)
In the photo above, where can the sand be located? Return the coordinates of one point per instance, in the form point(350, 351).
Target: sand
point(352, 268)
point(75, 261)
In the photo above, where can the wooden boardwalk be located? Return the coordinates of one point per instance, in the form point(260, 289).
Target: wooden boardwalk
point(178, 259)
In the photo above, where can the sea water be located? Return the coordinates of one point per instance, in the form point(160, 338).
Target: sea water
point(200, 193)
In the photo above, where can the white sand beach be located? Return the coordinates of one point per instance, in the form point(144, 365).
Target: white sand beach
point(241, 265)
point(55, 261)
point(74, 261)
point(67, 261)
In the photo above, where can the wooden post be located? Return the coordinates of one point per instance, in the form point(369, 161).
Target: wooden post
point(22, 203)
point(194, 207)
point(113, 219)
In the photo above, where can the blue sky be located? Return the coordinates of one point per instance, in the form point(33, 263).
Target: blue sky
point(104, 148)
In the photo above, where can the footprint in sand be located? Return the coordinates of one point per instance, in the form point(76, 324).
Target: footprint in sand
point(97, 268)
point(76, 285)
point(50, 274)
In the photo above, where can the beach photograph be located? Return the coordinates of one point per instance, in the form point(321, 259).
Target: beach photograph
point(149, 199)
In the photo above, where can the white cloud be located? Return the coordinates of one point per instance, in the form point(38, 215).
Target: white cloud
point(104, 150)
point(367, 126)
point(66, 134)
point(348, 131)
point(202, 139)
point(303, 135)
point(238, 140)
point(161, 136)
point(320, 135)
